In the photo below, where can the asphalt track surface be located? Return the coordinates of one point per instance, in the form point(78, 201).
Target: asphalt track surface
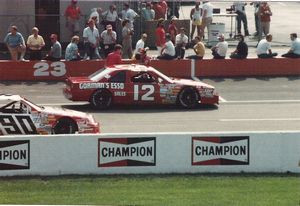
point(247, 104)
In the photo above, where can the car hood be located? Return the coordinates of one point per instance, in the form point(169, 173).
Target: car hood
point(189, 82)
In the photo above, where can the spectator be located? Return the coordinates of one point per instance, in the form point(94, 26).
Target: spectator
point(35, 43)
point(219, 51)
point(108, 38)
point(15, 44)
point(195, 16)
point(241, 51)
point(145, 59)
point(294, 51)
point(168, 50)
point(256, 6)
point(91, 40)
point(127, 33)
point(199, 49)
point(95, 15)
point(207, 15)
point(239, 8)
point(72, 15)
point(263, 49)
point(173, 9)
point(159, 11)
point(55, 51)
point(114, 58)
point(139, 46)
point(148, 13)
point(160, 35)
point(164, 7)
point(181, 41)
point(72, 52)
point(110, 17)
point(265, 17)
point(172, 30)
point(128, 13)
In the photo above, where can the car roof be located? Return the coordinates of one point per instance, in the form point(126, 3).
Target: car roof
point(11, 97)
point(133, 67)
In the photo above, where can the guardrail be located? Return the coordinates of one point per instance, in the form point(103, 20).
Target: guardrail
point(58, 71)
point(151, 153)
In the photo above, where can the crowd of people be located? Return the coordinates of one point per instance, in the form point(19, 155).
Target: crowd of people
point(171, 43)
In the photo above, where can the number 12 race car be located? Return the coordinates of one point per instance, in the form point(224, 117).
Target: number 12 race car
point(137, 84)
point(20, 116)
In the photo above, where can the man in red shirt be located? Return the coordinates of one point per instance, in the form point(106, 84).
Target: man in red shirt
point(115, 56)
point(72, 15)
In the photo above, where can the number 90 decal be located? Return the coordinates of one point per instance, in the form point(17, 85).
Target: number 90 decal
point(43, 69)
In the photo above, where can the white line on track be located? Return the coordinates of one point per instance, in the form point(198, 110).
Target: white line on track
point(63, 103)
point(263, 101)
point(266, 119)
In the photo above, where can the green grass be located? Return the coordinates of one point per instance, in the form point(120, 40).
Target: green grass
point(181, 190)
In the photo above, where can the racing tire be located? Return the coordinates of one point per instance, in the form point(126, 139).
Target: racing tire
point(188, 98)
point(65, 126)
point(101, 99)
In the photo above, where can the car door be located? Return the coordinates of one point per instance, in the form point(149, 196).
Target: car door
point(144, 88)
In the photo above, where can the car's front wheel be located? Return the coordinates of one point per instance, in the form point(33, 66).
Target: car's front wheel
point(65, 126)
point(188, 98)
point(101, 99)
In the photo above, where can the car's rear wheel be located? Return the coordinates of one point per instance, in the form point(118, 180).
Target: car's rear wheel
point(188, 98)
point(65, 126)
point(101, 99)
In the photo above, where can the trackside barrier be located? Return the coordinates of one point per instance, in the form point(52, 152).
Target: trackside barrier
point(58, 71)
point(151, 153)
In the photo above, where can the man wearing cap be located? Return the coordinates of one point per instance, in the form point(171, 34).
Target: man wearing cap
point(91, 40)
point(108, 38)
point(168, 50)
point(72, 15)
point(219, 51)
point(35, 43)
point(15, 44)
point(55, 51)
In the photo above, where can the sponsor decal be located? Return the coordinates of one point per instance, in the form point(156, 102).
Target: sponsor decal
point(14, 155)
point(126, 152)
point(119, 94)
point(101, 85)
point(220, 150)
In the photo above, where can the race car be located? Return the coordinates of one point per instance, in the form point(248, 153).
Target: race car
point(137, 84)
point(20, 116)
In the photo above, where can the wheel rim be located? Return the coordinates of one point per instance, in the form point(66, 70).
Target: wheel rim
point(102, 99)
point(189, 98)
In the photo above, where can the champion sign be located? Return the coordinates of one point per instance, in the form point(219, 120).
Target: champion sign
point(220, 150)
point(123, 152)
point(14, 155)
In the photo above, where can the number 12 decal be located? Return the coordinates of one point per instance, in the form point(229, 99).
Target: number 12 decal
point(148, 96)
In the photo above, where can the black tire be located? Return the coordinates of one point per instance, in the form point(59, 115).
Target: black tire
point(65, 126)
point(101, 99)
point(188, 98)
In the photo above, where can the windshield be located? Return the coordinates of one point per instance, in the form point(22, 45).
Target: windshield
point(163, 76)
point(96, 76)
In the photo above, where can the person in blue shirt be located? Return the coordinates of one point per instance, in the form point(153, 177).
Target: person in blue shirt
point(15, 44)
point(72, 53)
point(294, 51)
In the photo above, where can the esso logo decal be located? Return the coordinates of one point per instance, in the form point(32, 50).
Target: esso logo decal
point(43, 69)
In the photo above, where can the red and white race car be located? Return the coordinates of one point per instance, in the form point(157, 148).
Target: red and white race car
point(137, 84)
point(20, 116)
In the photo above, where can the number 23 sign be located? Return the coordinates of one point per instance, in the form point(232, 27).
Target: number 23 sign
point(44, 69)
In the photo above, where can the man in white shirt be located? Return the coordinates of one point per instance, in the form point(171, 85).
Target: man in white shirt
point(219, 51)
point(139, 46)
point(168, 50)
point(108, 38)
point(91, 40)
point(239, 8)
point(128, 13)
point(294, 51)
point(207, 14)
point(180, 41)
point(263, 49)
